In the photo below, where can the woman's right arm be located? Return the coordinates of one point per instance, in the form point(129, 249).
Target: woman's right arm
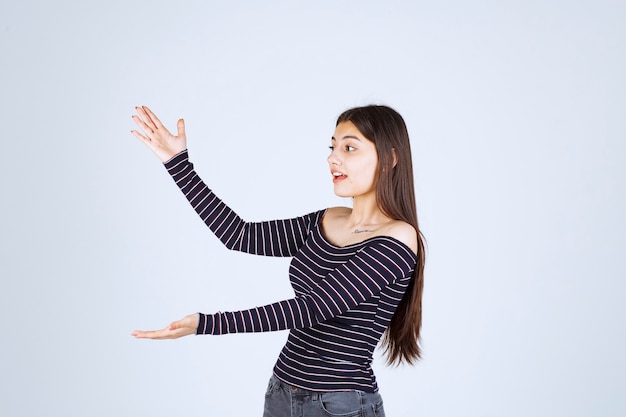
point(272, 238)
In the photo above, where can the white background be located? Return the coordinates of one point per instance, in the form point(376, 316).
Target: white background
point(516, 111)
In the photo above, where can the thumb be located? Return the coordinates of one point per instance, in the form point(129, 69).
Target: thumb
point(181, 127)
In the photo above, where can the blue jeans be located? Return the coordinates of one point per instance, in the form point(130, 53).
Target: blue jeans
point(284, 400)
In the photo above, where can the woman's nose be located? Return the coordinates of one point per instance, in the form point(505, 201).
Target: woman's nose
point(333, 160)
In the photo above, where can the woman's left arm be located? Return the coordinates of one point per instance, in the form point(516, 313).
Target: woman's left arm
point(363, 276)
point(377, 265)
point(370, 270)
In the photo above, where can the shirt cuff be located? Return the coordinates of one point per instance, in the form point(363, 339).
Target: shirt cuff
point(206, 324)
point(176, 159)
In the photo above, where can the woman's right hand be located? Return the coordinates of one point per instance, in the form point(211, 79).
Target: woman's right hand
point(156, 137)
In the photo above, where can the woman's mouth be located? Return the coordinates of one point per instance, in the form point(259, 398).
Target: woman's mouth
point(338, 176)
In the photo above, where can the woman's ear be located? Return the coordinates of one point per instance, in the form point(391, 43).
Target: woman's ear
point(395, 157)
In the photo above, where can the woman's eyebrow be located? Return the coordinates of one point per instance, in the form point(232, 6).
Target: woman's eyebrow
point(347, 137)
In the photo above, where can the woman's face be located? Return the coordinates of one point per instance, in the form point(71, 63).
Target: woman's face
point(353, 162)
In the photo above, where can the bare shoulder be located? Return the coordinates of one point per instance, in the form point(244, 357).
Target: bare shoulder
point(403, 232)
point(333, 213)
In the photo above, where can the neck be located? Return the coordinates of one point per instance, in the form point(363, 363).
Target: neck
point(365, 215)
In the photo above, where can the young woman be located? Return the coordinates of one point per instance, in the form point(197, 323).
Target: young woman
point(357, 273)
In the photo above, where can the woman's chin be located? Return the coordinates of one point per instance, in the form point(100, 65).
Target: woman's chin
point(342, 195)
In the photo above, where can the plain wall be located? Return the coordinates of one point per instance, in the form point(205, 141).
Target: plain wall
point(516, 113)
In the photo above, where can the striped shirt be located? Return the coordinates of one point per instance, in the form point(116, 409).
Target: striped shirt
point(344, 299)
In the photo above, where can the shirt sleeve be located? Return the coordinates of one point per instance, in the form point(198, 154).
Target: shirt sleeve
point(270, 238)
point(375, 266)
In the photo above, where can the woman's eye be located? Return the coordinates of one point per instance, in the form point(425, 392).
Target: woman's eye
point(347, 148)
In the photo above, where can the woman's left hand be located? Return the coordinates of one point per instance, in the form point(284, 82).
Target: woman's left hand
point(180, 328)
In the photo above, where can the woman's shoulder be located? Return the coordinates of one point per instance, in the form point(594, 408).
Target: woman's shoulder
point(397, 229)
point(401, 231)
point(332, 213)
point(333, 219)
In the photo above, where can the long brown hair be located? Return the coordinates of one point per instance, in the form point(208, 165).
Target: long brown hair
point(395, 195)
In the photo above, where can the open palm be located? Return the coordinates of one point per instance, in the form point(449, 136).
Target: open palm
point(157, 137)
point(179, 328)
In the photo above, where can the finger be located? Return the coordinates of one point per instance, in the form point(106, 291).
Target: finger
point(155, 120)
point(143, 334)
point(140, 136)
point(152, 334)
point(183, 325)
point(181, 128)
point(145, 117)
point(141, 113)
point(147, 129)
